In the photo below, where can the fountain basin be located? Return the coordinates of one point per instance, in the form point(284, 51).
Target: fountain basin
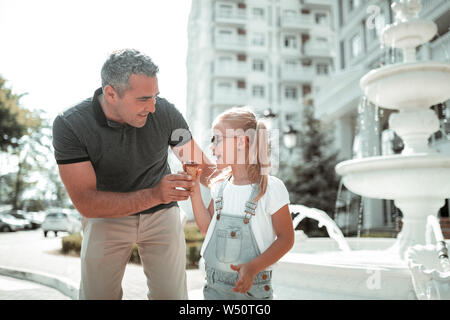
point(414, 176)
point(316, 269)
point(408, 85)
point(429, 280)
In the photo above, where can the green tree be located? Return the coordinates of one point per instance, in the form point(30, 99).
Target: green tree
point(14, 120)
point(313, 182)
point(32, 153)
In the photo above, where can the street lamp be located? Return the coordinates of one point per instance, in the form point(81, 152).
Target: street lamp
point(290, 138)
point(270, 117)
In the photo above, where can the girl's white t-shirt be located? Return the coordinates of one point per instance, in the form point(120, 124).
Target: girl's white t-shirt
point(234, 199)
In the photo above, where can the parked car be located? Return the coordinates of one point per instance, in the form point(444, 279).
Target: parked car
point(9, 223)
point(22, 215)
point(36, 218)
point(61, 221)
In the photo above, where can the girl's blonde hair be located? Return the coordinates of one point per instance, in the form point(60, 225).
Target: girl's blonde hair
point(244, 121)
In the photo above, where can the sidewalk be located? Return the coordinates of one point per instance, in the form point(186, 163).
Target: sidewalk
point(14, 289)
point(28, 255)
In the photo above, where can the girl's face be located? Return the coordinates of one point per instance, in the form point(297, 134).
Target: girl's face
point(226, 146)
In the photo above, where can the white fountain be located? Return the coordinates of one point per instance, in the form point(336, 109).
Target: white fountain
point(418, 180)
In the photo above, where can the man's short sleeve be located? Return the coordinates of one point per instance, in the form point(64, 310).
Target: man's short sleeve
point(180, 133)
point(68, 148)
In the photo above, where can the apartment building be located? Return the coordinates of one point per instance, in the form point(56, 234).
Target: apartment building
point(268, 54)
point(358, 25)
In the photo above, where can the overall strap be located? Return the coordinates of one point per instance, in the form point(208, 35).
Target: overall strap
point(250, 204)
point(218, 202)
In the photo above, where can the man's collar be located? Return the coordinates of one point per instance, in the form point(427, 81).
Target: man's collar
point(98, 111)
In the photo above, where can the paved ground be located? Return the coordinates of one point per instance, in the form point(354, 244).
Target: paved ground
point(31, 256)
point(31, 251)
point(14, 289)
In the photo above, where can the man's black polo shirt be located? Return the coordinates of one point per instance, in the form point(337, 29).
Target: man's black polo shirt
point(124, 158)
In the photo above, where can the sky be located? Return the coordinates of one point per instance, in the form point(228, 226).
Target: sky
point(54, 50)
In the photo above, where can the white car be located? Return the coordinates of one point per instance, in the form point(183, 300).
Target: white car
point(60, 221)
point(11, 223)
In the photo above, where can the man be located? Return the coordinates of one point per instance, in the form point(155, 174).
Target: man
point(112, 154)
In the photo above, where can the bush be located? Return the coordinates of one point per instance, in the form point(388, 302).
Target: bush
point(72, 243)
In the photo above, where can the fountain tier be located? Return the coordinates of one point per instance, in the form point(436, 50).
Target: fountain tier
point(418, 184)
point(408, 85)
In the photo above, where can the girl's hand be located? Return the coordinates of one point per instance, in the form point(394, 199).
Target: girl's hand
point(246, 277)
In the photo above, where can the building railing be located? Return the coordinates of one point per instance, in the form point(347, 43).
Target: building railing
point(297, 73)
point(238, 14)
point(231, 97)
point(305, 21)
point(231, 69)
point(231, 41)
point(318, 2)
point(316, 48)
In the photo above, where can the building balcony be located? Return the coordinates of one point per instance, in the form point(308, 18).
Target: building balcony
point(230, 97)
point(231, 70)
point(318, 49)
point(297, 74)
point(317, 4)
point(292, 105)
point(297, 22)
point(238, 16)
point(231, 42)
point(290, 51)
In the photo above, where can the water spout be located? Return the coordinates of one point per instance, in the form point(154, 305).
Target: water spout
point(323, 219)
point(434, 229)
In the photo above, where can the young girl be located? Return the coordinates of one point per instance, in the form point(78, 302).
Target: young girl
point(247, 224)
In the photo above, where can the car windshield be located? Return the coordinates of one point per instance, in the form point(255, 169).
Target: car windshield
point(56, 215)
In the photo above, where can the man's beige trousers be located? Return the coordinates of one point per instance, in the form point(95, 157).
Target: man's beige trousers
point(107, 247)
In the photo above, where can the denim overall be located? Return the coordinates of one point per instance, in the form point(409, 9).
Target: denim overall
point(233, 242)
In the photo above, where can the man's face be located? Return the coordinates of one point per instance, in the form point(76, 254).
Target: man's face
point(138, 100)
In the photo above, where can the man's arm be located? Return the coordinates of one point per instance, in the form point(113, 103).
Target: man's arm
point(81, 184)
point(190, 151)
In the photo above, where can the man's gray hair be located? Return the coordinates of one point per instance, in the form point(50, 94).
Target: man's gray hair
point(121, 64)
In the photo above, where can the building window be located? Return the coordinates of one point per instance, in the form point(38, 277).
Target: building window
point(258, 13)
point(380, 22)
point(258, 39)
point(290, 42)
point(241, 84)
point(291, 64)
point(242, 32)
point(289, 14)
point(258, 91)
point(321, 18)
point(225, 10)
point(290, 93)
point(224, 59)
point(224, 86)
point(355, 45)
point(353, 4)
point(258, 65)
point(242, 57)
point(322, 69)
point(306, 89)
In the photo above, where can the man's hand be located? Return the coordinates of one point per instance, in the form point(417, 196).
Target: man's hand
point(166, 190)
point(246, 277)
